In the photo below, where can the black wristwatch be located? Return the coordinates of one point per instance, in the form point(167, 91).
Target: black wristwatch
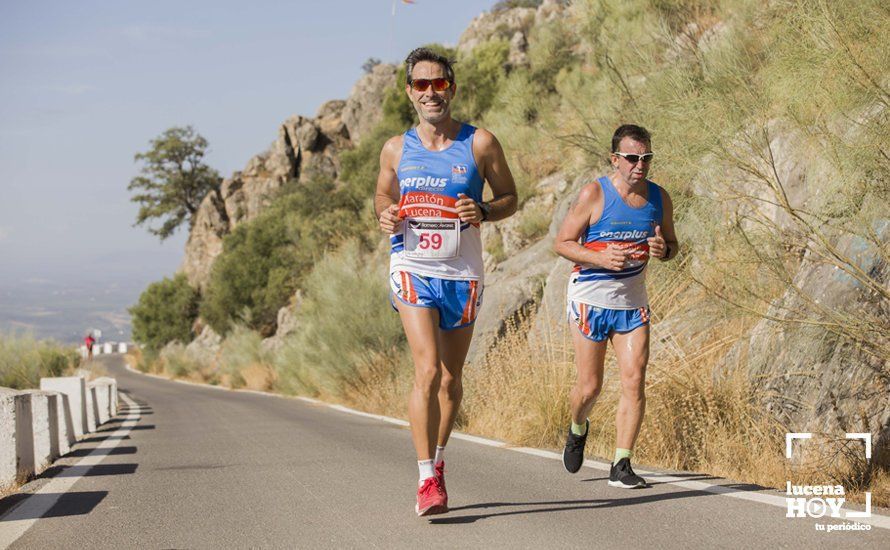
point(486, 210)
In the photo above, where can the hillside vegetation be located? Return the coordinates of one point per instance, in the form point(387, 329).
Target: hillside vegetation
point(770, 128)
point(24, 360)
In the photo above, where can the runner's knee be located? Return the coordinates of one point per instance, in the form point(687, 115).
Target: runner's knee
point(451, 384)
point(634, 384)
point(427, 378)
point(589, 390)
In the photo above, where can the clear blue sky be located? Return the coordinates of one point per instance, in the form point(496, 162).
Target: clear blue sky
point(86, 84)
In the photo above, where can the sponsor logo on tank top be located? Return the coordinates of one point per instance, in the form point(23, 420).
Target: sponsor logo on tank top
point(459, 173)
point(427, 181)
point(623, 235)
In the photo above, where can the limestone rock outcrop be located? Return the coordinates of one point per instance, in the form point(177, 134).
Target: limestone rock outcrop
point(517, 286)
point(814, 379)
point(207, 344)
point(364, 108)
point(305, 148)
point(511, 25)
point(205, 240)
point(501, 25)
point(288, 323)
point(812, 375)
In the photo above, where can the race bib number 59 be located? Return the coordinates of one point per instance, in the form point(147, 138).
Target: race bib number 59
point(432, 239)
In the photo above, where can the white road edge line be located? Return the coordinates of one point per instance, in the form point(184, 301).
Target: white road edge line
point(20, 518)
point(772, 500)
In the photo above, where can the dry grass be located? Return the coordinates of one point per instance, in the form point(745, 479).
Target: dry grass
point(381, 386)
point(258, 377)
point(176, 362)
point(25, 359)
point(134, 359)
point(515, 395)
point(694, 420)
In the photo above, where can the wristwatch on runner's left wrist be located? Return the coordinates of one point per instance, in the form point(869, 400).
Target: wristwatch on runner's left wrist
point(486, 210)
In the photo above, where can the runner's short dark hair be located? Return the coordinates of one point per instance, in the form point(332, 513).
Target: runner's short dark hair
point(426, 54)
point(637, 133)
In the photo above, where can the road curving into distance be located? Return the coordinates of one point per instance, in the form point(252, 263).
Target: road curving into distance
point(187, 466)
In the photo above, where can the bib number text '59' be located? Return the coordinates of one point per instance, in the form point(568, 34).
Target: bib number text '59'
point(432, 239)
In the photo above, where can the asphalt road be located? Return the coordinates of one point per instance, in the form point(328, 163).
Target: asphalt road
point(197, 467)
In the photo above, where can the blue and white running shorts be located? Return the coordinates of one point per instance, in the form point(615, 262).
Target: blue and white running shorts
point(597, 323)
point(458, 301)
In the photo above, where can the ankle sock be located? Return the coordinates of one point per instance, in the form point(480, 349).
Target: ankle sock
point(622, 453)
point(426, 470)
point(440, 455)
point(579, 429)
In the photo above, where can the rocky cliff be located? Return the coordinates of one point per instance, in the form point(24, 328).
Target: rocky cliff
point(304, 147)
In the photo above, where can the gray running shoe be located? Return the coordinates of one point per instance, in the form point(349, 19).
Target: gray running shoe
point(621, 475)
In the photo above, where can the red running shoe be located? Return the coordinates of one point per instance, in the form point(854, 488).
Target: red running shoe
point(440, 473)
point(431, 498)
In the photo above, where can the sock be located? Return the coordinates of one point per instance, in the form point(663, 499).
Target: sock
point(579, 429)
point(622, 453)
point(426, 470)
point(440, 455)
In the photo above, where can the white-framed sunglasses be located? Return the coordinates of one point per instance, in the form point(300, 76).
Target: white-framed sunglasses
point(634, 158)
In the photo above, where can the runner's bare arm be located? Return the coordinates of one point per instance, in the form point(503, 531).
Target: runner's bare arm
point(492, 165)
point(585, 209)
point(386, 197)
point(664, 245)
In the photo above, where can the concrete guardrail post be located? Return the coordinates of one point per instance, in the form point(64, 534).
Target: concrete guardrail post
point(111, 384)
point(16, 437)
point(108, 348)
point(74, 387)
point(101, 400)
point(64, 423)
point(92, 409)
point(122, 347)
point(44, 428)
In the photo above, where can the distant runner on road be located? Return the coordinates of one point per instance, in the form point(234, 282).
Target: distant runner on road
point(88, 342)
point(613, 228)
point(429, 199)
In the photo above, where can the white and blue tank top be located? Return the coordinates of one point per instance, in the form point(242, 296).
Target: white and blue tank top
point(626, 227)
point(429, 184)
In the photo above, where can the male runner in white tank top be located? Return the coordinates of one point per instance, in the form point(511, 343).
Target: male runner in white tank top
point(613, 228)
point(429, 199)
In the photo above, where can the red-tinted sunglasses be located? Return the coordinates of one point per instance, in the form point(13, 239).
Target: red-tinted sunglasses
point(438, 84)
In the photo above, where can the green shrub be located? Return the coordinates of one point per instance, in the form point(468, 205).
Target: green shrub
point(479, 76)
point(179, 361)
point(24, 360)
point(165, 312)
point(503, 5)
point(241, 349)
point(254, 275)
point(265, 260)
point(347, 328)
